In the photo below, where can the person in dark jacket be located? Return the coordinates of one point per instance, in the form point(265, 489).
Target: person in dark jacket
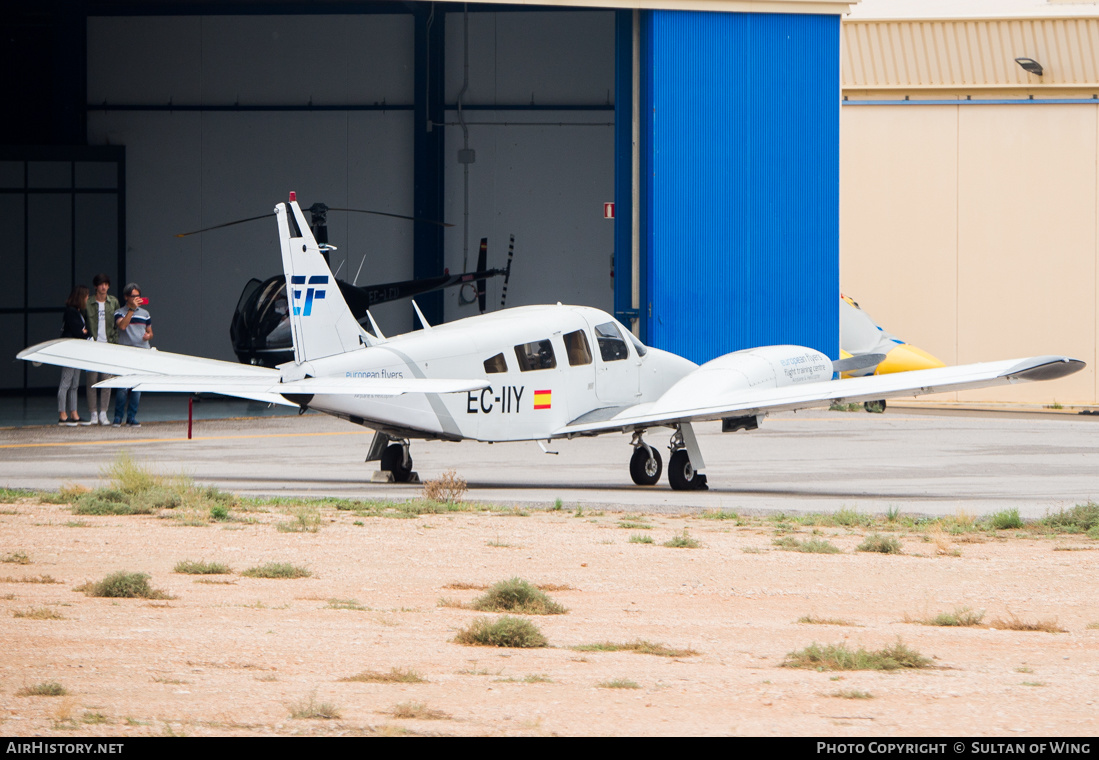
point(73, 325)
point(99, 314)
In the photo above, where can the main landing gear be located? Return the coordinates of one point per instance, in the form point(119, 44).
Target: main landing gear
point(395, 461)
point(683, 475)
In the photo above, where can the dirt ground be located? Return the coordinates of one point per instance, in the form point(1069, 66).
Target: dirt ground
point(233, 655)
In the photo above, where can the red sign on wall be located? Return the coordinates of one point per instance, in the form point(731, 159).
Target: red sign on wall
point(608, 211)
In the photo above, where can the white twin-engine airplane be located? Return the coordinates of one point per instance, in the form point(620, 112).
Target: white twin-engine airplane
point(532, 373)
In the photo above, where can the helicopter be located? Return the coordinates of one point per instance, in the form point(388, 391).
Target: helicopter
point(260, 327)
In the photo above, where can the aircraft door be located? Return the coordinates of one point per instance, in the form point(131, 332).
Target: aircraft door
point(616, 374)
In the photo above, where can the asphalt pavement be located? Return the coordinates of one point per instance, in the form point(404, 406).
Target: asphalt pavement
point(812, 461)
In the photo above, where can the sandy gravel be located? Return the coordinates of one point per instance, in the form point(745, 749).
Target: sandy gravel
point(234, 657)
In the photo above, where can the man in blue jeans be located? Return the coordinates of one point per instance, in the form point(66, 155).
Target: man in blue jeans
point(135, 328)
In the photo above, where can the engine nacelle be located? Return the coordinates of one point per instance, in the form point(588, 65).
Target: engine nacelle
point(747, 370)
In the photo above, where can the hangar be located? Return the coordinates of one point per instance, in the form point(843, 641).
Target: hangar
point(712, 126)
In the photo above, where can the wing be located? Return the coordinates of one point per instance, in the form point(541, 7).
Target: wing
point(151, 370)
point(810, 395)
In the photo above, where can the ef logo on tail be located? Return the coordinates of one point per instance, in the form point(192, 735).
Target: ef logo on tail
point(311, 293)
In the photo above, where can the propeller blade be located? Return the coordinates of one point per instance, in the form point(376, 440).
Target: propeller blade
point(227, 224)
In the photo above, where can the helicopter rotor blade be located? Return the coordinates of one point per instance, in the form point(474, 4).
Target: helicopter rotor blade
point(395, 216)
point(226, 224)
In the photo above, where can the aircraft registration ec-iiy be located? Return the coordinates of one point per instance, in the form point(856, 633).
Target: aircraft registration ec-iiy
point(532, 373)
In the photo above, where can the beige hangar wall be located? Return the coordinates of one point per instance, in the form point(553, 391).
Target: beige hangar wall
point(972, 230)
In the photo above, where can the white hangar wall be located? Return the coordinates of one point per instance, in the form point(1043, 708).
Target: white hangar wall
point(205, 161)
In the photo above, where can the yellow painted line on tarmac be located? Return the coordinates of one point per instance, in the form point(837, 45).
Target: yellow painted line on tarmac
point(116, 441)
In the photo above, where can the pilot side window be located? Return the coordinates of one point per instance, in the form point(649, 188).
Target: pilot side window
point(611, 346)
point(496, 364)
point(536, 355)
point(576, 346)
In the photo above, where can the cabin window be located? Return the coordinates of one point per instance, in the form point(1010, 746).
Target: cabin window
point(536, 355)
point(611, 346)
point(576, 346)
point(496, 364)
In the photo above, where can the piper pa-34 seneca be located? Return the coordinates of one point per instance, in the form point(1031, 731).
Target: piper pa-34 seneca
point(531, 373)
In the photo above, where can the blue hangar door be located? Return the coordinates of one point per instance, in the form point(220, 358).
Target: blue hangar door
point(739, 180)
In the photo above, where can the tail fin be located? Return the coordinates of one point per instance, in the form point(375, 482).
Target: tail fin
point(321, 323)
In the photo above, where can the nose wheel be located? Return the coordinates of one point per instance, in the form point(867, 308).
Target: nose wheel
point(645, 465)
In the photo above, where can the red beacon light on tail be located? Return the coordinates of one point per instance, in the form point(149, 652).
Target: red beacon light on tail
point(293, 196)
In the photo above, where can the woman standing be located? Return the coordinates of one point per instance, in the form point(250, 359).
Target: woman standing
point(72, 326)
point(101, 327)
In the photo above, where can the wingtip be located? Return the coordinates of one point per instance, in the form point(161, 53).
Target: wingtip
point(1044, 368)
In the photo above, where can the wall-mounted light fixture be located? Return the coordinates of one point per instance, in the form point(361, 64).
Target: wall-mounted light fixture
point(1030, 65)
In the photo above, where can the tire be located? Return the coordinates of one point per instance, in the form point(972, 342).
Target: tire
point(393, 461)
point(874, 407)
point(682, 475)
point(643, 470)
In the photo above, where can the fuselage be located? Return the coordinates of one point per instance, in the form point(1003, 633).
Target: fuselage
point(546, 366)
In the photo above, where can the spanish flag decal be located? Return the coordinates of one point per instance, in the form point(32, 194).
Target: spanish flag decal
point(542, 399)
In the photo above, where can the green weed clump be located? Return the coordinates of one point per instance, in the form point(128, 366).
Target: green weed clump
point(1007, 519)
point(417, 711)
point(276, 570)
point(16, 558)
point(506, 631)
point(124, 585)
point(682, 541)
point(38, 613)
point(960, 617)
point(1080, 519)
point(719, 514)
point(640, 538)
point(811, 546)
point(1014, 623)
point(44, 689)
point(201, 567)
point(839, 657)
point(639, 646)
point(876, 542)
point(814, 620)
point(134, 490)
point(516, 595)
point(311, 708)
point(306, 520)
point(618, 683)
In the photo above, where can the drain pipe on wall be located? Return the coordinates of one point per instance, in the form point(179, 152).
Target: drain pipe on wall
point(465, 155)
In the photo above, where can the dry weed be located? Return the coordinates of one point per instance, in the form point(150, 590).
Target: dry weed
point(448, 488)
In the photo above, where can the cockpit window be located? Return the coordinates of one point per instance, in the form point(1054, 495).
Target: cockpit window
point(637, 344)
point(496, 364)
point(611, 346)
point(576, 346)
point(536, 355)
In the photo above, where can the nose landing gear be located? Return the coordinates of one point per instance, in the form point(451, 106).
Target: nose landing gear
point(645, 464)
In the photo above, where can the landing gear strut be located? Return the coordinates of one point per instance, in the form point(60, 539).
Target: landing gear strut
point(645, 464)
point(682, 474)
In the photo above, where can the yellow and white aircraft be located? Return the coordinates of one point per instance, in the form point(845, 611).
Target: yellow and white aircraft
point(529, 373)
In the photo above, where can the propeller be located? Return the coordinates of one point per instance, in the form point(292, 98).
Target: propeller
point(318, 210)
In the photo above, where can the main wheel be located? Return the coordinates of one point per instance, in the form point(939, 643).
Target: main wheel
point(643, 470)
point(681, 473)
point(874, 407)
point(393, 460)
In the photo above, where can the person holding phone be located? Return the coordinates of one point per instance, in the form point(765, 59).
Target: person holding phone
point(135, 328)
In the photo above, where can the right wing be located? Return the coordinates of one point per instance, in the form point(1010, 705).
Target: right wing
point(701, 407)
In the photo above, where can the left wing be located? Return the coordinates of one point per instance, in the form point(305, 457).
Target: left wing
point(810, 395)
point(150, 370)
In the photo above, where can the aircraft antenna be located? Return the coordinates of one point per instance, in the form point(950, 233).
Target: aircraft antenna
point(359, 271)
